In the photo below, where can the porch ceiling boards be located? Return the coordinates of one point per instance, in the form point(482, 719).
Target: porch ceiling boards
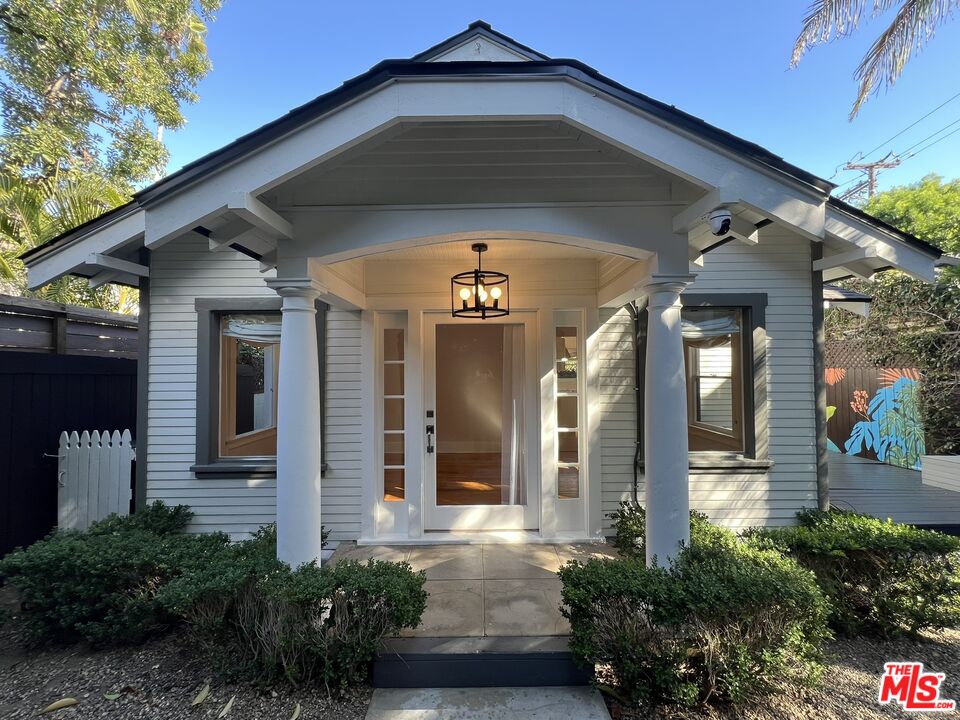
point(482, 162)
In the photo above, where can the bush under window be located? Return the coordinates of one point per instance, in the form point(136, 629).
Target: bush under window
point(101, 584)
point(630, 530)
point(258, 618)
point(725, 623)
point(882, 578)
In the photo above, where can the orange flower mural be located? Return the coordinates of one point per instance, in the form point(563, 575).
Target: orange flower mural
point(835, 375)
point(888, 376)
point(861, 403)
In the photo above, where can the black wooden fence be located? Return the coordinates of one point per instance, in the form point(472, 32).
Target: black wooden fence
point(40, 396)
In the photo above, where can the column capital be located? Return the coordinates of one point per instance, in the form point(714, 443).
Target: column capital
point(307, 288)
point(664, 290)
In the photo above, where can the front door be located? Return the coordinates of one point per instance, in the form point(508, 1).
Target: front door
point(483, 439)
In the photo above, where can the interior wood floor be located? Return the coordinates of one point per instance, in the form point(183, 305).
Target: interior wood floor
point(469, 479)
point(473, 479)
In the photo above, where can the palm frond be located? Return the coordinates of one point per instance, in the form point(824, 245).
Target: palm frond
point(911, 29)
point(136, 11)
point(825, 20)
point(6, 270)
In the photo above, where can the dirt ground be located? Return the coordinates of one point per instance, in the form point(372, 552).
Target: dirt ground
point(158, 680)
point(851, 685)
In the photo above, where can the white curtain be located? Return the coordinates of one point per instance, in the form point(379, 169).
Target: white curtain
point(262, 332)
point(711, 328)
point(513, 487)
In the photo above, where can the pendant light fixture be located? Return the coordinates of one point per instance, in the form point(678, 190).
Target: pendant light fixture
point(480, 293)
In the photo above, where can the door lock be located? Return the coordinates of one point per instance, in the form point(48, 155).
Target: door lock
point(429, 439)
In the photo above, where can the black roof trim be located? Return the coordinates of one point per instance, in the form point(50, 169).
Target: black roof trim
point(912, 240)
point(395, 70)
point(479, 27)
point(392, 70)
point(109, 216)
point(835, 293)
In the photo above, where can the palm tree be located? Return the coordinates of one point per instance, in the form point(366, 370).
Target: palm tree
point(910, 30)
point(32, 212)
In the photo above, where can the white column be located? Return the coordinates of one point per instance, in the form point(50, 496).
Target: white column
point(298, 426)
point(666, 462)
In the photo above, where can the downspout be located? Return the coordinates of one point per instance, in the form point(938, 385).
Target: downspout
point(143, 387)
point(820, 380)
point(639, 344)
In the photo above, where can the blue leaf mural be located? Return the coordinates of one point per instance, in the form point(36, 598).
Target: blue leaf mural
point(894, 430)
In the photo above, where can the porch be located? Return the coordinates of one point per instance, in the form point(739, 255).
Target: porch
point(486, 590)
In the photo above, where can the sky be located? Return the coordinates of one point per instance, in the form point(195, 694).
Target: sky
point(727, 63)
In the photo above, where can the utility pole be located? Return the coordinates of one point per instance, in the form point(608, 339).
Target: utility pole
point(872, 169)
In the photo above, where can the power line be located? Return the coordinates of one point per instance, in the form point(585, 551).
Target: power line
point(867, 169)
point(867, 179)
point(926, 147)
point(872, 169)
point(928, 137)
point(911, 125)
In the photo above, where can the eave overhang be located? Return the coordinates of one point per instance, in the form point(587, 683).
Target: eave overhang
point(847, 222)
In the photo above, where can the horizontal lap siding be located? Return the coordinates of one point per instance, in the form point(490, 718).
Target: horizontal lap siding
point(779, 266)
point(344, 433)
point(180, 273)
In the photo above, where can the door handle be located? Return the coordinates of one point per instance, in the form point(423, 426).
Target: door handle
point(429, 439)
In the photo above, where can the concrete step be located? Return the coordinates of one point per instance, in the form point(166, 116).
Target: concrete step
point(533, 703)
point(477, 662)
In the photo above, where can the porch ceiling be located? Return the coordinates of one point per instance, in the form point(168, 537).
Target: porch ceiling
point(481, 162)
point(460, 251)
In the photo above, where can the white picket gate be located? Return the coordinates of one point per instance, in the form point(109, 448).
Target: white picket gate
point(94, 477)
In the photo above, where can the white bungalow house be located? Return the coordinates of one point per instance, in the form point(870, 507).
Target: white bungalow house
point(646, 317)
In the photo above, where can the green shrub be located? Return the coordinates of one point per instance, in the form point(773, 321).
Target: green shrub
point(882, 578)
point(630, 528)
point(725, 623)
point(258, 618)
point(156, 518)
point(101, 584)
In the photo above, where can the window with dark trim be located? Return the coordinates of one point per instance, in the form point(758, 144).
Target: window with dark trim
point(238, 359)
point(725, 363)
point(713, 350)
point(249, 370)
point(735, 444)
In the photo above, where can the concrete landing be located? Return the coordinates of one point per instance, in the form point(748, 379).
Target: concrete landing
point(485, 590)
point(551, 703)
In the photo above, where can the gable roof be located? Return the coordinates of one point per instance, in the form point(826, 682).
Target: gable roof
point(876, 222)
point(421, 67)
point(478, 28)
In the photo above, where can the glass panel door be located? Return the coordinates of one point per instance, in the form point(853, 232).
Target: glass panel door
point(477, 384)
point(479, 414)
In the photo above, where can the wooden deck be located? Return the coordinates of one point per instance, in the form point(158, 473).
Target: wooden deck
point(886, 491)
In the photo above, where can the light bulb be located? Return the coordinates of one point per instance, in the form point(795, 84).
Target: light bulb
point(481, 290)
point(483, 295)
point(465, 293)
point(496, 293)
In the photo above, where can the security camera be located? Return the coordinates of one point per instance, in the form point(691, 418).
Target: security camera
point(720, 221)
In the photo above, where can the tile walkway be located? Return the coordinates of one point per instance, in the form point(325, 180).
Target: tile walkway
point(485, 590)
point(546, 703)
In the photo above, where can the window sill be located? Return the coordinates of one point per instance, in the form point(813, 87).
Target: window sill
point(705, 462)
point(238, 468)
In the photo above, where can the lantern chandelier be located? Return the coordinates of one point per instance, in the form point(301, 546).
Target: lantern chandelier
point(480, 293)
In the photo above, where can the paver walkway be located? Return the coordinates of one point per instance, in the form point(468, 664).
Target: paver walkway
point(552, 703)
point(486, 590)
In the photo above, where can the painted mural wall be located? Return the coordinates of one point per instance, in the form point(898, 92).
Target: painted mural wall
point(874, 413)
